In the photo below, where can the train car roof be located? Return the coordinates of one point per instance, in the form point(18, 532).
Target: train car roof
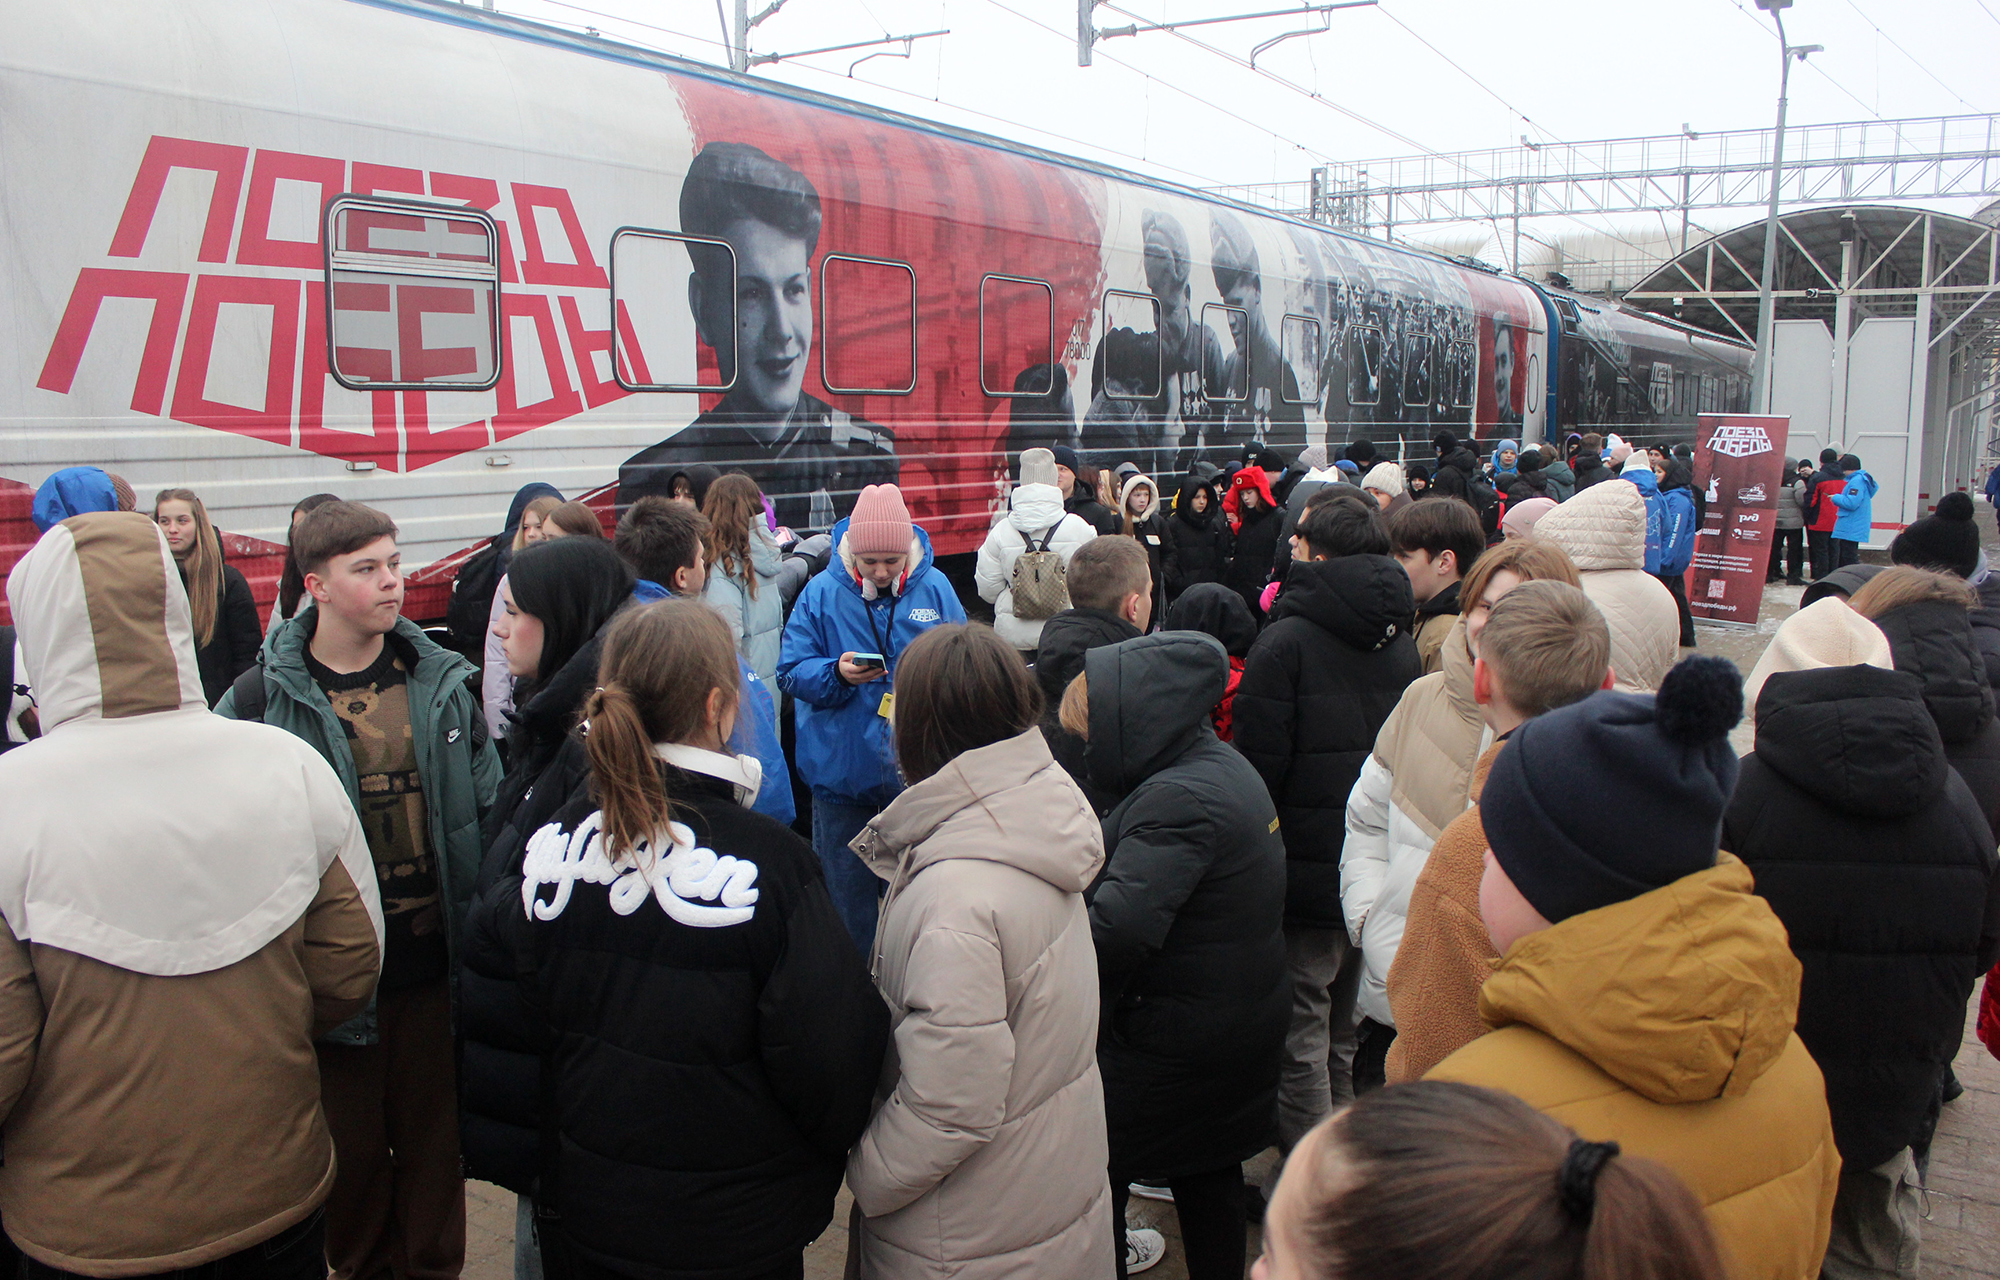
point(465, 15)
point(1623, 308)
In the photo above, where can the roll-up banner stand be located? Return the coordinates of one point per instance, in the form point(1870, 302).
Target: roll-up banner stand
point(1739, 462)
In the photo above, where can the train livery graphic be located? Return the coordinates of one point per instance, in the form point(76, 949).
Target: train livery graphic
point(418, 254)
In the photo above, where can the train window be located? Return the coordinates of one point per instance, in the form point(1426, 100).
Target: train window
point(413, 295)
point(1134, 366)
point(1708, 394)
point(1464, 366)
point(1229, 329)
point(1680, 395)
point(1301, 353)
point(672, 298)
point(868, 318)
point(1571, 319)
point(1017, 336)
point(1417, 372)
point(1364, 364)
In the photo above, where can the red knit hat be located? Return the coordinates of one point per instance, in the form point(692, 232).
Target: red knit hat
point(881, 523)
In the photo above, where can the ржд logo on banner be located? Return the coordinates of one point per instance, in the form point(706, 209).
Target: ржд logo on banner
point(1740, 440)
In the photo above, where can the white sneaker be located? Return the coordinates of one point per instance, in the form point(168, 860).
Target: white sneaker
point(1152, 1191)
point(1144, 1247)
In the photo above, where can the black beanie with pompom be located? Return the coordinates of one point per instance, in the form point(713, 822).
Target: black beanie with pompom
point(1946, 540)
point(1620, 794)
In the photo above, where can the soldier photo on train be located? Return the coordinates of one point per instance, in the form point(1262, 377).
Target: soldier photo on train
point(810, 458)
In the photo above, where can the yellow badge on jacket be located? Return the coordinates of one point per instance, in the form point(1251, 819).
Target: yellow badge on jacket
point(887, 708)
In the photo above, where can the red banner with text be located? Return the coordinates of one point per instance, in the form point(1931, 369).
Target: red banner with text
point(1739, 461)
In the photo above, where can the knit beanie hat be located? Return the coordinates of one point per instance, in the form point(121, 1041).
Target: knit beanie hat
point(880, 524)
point(1313, 457)
point(1348, 466)
point(1384, 477)
point(1666, 758)
point(1523, 516)
point(1616, 450)
point(1066, 457)
point(1946, 540)
point(1361, 452)
point(1528, 460)
point(1827, 457)
point(1038, 466)
point(1444, 442)
point(1849, 462)
point(1826, 633)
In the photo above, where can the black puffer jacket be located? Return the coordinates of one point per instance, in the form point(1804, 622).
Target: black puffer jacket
point(1187, 916)
point(1590, 469)
point(1933, 640)
point(1065, 639)
point(1523, 485)
point(1875, 855)
point(232, 647)
point(498, 1118)
point(1986, 630)
point(715, 1041)
point(1201, 539)
point(1256, 548)
point(1316, 688)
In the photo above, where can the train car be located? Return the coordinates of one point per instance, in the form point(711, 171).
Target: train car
point(1642, 375)
point(419, 254)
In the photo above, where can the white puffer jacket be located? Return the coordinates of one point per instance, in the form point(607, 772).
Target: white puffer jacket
point(1036, 509)
point(1603, 530)
point(1416, 780)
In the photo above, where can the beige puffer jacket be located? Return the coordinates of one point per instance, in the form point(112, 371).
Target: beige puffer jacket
point(1603, 529)
point(1414, 783)
point(987, 1157)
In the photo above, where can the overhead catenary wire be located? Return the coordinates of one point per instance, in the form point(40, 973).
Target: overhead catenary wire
point(1914, 61)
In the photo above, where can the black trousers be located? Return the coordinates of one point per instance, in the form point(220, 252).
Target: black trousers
point(296, 1253)
point(1846, 551)
point(1211, 1208)
point(1371, 1055)
point(1788, 544)
point(1819, 550)
point(1676, 584)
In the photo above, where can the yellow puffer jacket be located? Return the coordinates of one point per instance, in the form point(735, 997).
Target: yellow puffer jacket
point(1664, 1023)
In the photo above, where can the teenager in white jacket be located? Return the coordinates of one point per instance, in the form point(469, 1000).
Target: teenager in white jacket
point(1036, 508)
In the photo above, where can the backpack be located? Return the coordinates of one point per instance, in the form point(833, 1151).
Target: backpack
point(1040, 581)
point(471, 606)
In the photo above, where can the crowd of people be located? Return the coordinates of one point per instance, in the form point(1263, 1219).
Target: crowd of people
point(691, 873)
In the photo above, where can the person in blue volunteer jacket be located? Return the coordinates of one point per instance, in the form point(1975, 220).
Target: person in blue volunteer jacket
point(1856, 504)
point(877, 594)
point(1679, 523)
point(1647, 482)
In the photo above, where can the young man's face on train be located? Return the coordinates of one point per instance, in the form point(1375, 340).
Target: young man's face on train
point(774, 319)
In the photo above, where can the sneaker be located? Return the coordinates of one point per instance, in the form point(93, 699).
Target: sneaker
point(1144, 1247)
point(1152, 1191)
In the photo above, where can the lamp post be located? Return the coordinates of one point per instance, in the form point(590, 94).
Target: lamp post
point(1760, 366)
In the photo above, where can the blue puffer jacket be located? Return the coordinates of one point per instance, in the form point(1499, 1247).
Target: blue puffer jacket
point(1678, 530)
point(1648, 485)
point(1857, 508)
point(845, 748)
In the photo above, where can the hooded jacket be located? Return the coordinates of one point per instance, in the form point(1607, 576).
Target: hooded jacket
point(1561, 477)
point(1215, 610)
point(987, 1156)
point(1154, 535)
point(186, 900)
point(1036, 509)
point(1066, 638)
point(70, 492)
point(1933, 640)
point(1664, 1023)
point(759, 624)
point(1256, 537)
point(1680, 520)
point(1415, 782)
point(1434, 621)
point(456, 760)
point(1502, 470)
point(1201, 540)
point(1317, 688)
point(1880, 864)
point(1589, 469)
point(1603, 531)
point(1986, 626)
point(1856, 504)
point(712, 1034)
point(1791, 497)
point(1642, 478)
point(1821, 513)
point(1187, 916)
point(845, 747)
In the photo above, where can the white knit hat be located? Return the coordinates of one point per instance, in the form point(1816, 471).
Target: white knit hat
point(1384, 477)
point(1826, 633)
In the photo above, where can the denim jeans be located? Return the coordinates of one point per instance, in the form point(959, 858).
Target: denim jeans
point(856, 890)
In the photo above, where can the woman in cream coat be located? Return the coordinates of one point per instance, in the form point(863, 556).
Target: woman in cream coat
point(987, 1154)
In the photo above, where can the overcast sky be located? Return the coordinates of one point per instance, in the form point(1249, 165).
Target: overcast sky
point(1565, 70)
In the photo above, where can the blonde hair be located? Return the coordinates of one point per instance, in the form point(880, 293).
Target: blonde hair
point(1548, 644)
point(661, 662)
point(1074, 714)
point(202, 569)
point(1530, 559)
point(1892, 589)
point(539, 508)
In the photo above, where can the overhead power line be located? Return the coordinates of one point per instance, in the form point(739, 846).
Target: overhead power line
point(1911, 56)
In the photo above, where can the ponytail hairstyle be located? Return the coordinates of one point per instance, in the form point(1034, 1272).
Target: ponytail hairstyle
point(661, 662)
point(733, 503)
point(958, 688)
point(292, 581)
point(1436, 1181)
point(202, 570)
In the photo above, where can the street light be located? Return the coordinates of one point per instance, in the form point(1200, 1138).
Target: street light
point(1760, 367)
